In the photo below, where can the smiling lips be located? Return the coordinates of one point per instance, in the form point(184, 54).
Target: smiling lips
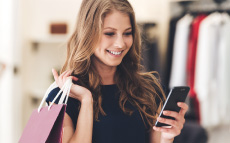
point(115, 53)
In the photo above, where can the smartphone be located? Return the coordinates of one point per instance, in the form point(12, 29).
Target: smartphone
point(176, 94)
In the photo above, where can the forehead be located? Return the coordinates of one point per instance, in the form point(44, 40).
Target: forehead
point(117, 20)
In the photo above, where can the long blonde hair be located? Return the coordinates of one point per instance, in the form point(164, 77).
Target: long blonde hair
point(140, 89)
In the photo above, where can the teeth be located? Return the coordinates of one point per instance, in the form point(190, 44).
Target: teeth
point(115, 53)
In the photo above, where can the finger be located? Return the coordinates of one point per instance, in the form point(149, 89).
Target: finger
point(74, 78)
point(178, 117)
point(171, 122)
point(62, 75)
point(68, 73)
point(167, 130)
point(160, 129)
point(172, 114)
point(55, 74)
point(65, 75)
point(184, 108)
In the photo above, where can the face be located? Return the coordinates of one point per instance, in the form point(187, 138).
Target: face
point(116, 40)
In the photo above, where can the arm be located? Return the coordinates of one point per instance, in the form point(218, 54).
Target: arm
point(155, 136)
point(67, 129)
point(84, 127)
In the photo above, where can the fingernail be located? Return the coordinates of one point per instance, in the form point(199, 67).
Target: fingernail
point(165, 112)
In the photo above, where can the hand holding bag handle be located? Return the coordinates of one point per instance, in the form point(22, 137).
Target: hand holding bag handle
point(66, 90)
point(68, 84)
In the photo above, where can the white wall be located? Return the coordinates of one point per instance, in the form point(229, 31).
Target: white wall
point(41, 13)
point(10, 94)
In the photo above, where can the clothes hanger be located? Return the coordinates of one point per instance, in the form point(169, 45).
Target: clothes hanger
point(219, 1)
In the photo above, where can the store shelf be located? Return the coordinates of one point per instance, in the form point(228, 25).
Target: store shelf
point(50, 39)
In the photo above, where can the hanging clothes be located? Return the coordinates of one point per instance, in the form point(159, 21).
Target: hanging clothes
point(224, 70)
point(169, 52)
point(192, 47)
point(178, 71)
point(208, 68)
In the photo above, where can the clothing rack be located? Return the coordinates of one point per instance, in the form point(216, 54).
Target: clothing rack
point(219, 1)
point(195, 8)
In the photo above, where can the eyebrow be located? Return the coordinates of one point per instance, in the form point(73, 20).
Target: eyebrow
point(116, 29)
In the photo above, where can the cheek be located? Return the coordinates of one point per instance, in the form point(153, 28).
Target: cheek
point(102, 45)
point(97, 51)
point(129, 41)
point(105, 42)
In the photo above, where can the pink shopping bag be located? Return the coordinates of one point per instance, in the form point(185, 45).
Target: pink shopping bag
point(45, 123)
point(44, 126)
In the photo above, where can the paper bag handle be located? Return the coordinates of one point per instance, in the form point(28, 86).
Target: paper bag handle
point(65, 88)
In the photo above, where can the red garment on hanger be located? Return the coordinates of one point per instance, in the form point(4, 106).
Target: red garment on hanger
point(191, 61)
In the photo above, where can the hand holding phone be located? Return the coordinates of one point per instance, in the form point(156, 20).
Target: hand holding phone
point(177, 94)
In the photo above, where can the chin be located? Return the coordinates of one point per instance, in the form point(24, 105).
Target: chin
point(114, 64)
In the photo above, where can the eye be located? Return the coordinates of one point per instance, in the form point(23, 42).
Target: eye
point(128, 33)
point(109, 33)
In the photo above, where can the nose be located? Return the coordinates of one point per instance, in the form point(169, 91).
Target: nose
point(119, 43)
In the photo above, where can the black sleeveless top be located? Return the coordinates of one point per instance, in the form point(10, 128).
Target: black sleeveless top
point(116, 126)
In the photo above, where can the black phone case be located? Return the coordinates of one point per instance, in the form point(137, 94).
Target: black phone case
point(177, 94)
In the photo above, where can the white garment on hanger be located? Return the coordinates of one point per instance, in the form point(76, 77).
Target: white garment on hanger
point(208, 68)
point(180, 48)
point(224, 70)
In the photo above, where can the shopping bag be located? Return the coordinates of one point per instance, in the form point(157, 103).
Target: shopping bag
point(45, 123)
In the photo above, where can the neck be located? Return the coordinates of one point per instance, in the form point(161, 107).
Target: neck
point(106, 73)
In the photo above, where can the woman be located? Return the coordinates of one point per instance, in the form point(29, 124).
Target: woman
point(111, 101)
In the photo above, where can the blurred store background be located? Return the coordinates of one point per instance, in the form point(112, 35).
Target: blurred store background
point(186, 41)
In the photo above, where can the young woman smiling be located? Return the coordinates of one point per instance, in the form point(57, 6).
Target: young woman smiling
point(111, 100)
